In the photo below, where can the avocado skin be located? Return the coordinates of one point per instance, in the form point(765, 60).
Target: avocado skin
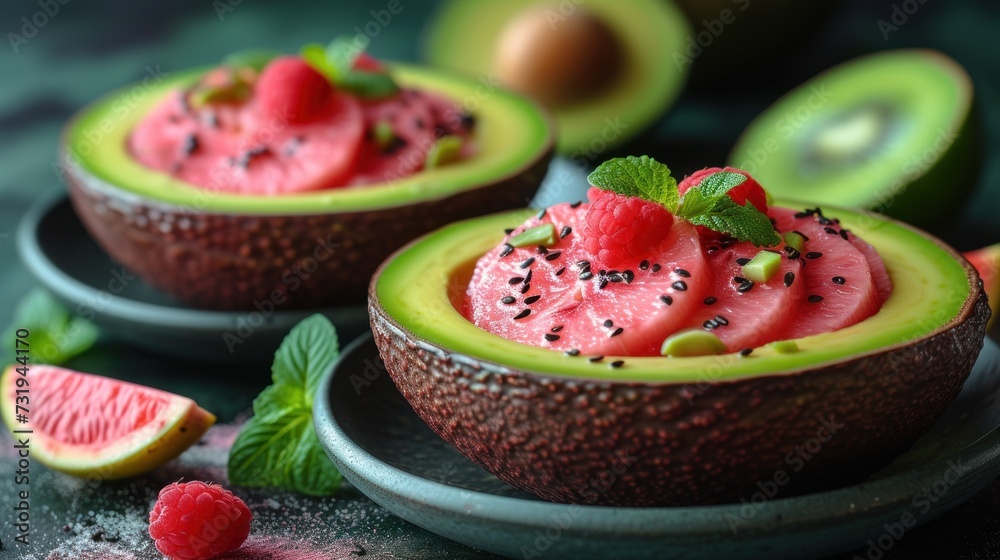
point(575, 440)
point(242, 261)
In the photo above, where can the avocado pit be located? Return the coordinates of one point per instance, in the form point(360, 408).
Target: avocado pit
point(558, 59)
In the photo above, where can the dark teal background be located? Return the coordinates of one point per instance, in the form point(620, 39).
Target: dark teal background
point(89, 48)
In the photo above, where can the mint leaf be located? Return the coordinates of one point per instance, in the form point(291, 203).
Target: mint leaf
point(336, 62)
point(745, 223)
point(342, 54)
point(55, 336)
point(306, 353)
point(370, 85)
point(718, 184)
point(642, 176)
point(279, 447)
point(694, 203)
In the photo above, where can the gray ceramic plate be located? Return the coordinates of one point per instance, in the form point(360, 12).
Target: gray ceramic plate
point(57, 249)
point(385, 450)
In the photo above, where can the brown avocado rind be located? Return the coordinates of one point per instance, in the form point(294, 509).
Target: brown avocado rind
point(232, 261)
point(592, 441)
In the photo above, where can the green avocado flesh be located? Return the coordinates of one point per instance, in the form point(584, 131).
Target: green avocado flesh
point(96, 140)
point(464, 34)
point(422, 284)
point(886, 132)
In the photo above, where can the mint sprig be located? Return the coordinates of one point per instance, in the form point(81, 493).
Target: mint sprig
point(336, 62)
point(278, 446)
point(54, 336)
point(706, 204)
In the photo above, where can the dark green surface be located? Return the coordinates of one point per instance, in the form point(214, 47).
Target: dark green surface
point(90, 48)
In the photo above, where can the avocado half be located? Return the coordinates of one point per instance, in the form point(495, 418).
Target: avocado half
point(652, 33)
point(693, 430)
point(228, 251)
point(895, 132)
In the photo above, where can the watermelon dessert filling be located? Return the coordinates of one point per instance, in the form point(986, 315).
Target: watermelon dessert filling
point(331, 117)
point(650, 267)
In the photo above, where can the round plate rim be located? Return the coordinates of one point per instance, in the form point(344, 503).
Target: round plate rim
point(685, 521)
point(66, 286)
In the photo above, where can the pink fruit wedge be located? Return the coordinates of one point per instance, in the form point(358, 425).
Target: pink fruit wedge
point(95, 426)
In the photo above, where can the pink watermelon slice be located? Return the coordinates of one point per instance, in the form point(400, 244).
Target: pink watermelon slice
point(559, 300)
point(557, 296)
point(243, 145)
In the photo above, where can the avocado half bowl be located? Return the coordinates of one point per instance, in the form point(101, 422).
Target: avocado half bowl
point(226, 251)
point(680, 431)
point(641, 80)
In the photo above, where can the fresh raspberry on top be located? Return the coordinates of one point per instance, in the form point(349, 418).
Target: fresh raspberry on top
point(198, 521)
point(621, 230)
point(748, 190)
point(288, 88)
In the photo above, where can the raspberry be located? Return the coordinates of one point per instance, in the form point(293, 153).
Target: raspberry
point(621, 230)
point(367, 63)
point(748, 190)
point(198, 521)
point(289, 88)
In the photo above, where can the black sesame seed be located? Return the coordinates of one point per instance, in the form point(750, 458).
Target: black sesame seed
point(710, 300)
point(509, 230)
point(507, 249)
point(644, 265)
point(656, 268)
point(527, 263)
point(531, 299)
point(839, 280)
point(843, 233)
point(615, 277)
point(813, 255)
point(560, 271)
point(793, 253)
point(746, 352)
point(527, 277)
point(745, 287)
point(551, 337)
point(667, 299)
point(815, 299)
point(572, 352)
point(608, 323)
point(508, 299)
point(522, 314)
point(556, 328)
point(603, 283)
point(629, 276)
point(739, 279)
point(566, 230)
point(617, 363)
point(525, 288)
point(541, 250)
point(617, 332)
point(721, 320)
point(553, 256)
point(710, 324)
point(586, 275)
point(516, 280)
point(576, 204)
point(679, 285)
point(541, 213)
point(595, 358)
point(583, 264)
point(824, 221)
point(830, 230)
point(742, 261)
point(789, 278)
point(190, 144)
point(682, 273)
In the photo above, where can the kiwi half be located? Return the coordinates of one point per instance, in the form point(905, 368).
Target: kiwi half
point(893, 132)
